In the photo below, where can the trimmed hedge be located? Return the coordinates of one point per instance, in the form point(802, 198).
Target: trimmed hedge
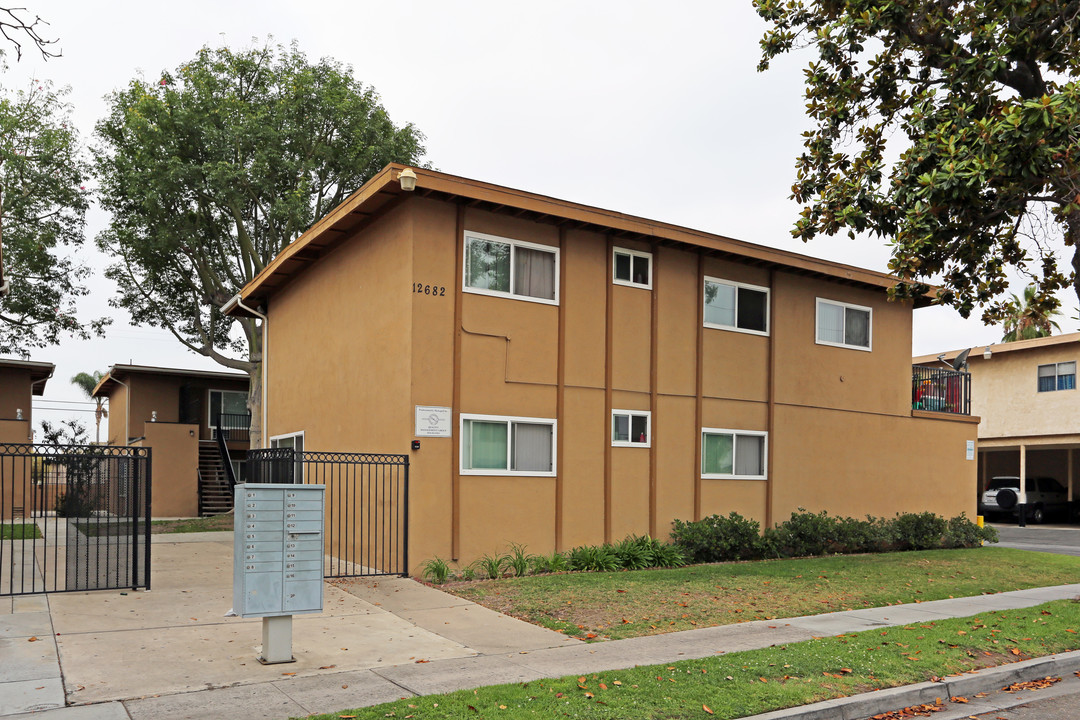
point(806, 534)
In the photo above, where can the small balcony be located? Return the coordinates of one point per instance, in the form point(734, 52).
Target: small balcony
point(940, 390)
point(233, 427)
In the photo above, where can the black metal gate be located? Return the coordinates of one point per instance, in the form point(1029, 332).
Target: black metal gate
point(367, 505)
point(74, 517)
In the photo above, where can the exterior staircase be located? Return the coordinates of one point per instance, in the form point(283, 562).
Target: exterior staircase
point(215, 492)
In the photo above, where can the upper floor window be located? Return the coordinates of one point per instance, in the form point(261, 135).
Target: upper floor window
point(733, 453)
point(633, 268)
point(736, 306)
point(497, 445)
point(1057, 376)
point(515, 268)
point(630, 428)
point(226, 402)
point(843, 324)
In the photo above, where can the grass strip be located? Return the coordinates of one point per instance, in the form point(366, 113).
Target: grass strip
point(629, 604)
point(19, 531)
point(745, 683)
point(108, 527)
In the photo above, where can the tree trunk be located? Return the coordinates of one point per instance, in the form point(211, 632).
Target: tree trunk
point(255, 389)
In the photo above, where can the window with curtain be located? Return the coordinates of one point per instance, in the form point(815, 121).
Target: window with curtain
point(507, 446)
point(843, 324)
point(501, 266)
point(633, 268)
point(732, 453)
point(736, 306)
point(630, 428)
point(1057, 376)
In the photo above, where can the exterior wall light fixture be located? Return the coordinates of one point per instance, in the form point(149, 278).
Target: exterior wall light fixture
point(987, 353)
point(18, 414)
point(153, 416)
point(407, 178)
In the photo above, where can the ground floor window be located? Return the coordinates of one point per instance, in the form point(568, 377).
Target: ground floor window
point(499, 445)
point(733, 453)
point(291, 472)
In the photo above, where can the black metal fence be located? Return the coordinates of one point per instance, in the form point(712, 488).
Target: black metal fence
point(234, 427)
point(73, 517)
point(367, 505)
point(940, 390)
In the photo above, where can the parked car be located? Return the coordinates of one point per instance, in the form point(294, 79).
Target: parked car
point(1045, 496)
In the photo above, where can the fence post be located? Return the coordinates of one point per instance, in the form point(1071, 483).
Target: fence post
point(135, 506)
point(405, 522)
point(149, 483)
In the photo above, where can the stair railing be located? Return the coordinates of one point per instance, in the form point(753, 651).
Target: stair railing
point(223, 448)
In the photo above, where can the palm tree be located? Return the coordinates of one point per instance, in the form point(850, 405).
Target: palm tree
point(1025, 319)
point(89, 381)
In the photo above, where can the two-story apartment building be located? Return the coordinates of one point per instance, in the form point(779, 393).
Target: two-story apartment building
point(20, 382)
point(1025, 394)
point(600, 374)
point(179, 414)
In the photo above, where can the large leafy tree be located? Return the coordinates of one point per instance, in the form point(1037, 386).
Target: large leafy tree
point(210, 170)
point(43, 202)
point(982, 100)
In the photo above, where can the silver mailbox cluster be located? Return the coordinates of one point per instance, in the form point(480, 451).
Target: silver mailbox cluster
point(278, 549)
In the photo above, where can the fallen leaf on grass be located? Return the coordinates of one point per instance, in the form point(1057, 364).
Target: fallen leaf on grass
point(707, 709)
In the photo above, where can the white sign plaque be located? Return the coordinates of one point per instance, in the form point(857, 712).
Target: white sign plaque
point(432, 421)
point(970, 449)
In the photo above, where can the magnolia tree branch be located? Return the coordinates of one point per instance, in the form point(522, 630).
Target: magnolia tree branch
point(13, 27)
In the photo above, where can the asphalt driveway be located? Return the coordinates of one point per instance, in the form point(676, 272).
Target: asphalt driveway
point(1059, 539)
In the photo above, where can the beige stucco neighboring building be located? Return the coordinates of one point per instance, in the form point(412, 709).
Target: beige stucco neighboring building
point(1025, 394)
point(603, 374)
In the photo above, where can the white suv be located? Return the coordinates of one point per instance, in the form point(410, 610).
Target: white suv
point(1045, 495)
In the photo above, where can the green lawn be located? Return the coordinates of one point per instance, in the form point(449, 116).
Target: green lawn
point(19, 531)
point(647, 602)
point(745, 683)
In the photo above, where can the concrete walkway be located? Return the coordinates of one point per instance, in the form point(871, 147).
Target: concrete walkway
point(171, 653)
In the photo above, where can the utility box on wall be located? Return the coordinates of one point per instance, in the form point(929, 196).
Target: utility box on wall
point(278, 549)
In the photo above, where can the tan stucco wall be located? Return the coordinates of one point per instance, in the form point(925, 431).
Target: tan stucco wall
point(15, 394)
point(353, 349)
point(162, 393)
point(15, 431)
point(117, 408)
point(1005, 393)
point(175, 468)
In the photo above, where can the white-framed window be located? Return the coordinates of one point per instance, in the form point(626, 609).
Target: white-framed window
point(632, 268)
point(501, 445)
point(631, 428)
point(733, 454)
point(1057, 376)
point(511, 268)
point(844, 325)
point(738, 306)
point(282, 473)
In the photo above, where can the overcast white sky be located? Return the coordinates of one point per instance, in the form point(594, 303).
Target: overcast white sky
point(647, 108)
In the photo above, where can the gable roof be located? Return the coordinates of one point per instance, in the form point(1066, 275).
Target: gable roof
point(384, 191)
point(40, 372)
point(1018, 346)
point(117, 373)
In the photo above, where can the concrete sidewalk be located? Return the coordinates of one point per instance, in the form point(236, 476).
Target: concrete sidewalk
point(170, 653)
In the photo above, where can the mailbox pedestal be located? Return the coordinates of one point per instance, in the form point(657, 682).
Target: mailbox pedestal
point(277, 559)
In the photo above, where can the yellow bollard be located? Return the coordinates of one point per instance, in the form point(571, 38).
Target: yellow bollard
point(979, 522)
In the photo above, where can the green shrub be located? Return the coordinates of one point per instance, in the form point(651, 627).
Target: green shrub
point(492, 565)
point(806, 534)
point(594, 558)
point(862, 536)
point(960, 532)
point(436, 570)
point(634, 552)
point(919, 531)
point(668, 556)
point(555, 562)
point(468, 572)
point(716, 538)
point(518, 560)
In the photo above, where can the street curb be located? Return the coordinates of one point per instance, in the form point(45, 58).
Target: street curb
point(873, 703)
